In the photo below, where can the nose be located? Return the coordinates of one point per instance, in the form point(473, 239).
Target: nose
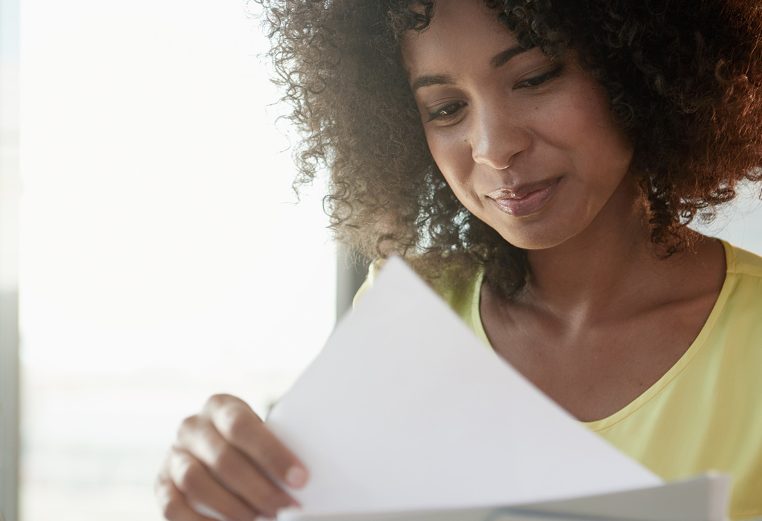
point(497, 140)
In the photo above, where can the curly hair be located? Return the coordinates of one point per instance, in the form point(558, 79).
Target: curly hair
point(683, 78)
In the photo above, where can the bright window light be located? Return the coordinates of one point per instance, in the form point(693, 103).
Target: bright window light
point(163, 255)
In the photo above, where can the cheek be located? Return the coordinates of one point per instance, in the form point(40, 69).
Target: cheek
point(585, 128)
point(452, 155)
point(606, 155)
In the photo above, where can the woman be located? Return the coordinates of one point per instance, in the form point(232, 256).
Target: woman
point(538, 162)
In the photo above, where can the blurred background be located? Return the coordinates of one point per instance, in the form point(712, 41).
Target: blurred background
point(162, 256)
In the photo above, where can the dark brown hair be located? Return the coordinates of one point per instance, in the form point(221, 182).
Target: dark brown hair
point(684, 80)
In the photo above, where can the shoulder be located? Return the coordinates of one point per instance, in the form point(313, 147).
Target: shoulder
point(744, 280)
point(739, 306)
point(743, 263)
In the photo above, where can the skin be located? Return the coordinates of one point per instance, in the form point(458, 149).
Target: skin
point(226, 464)
point(526, 121)
point(602, 316)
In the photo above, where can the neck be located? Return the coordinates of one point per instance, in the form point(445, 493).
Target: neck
point(611, 262)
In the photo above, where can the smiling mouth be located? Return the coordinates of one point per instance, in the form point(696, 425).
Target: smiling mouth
point(525, 199)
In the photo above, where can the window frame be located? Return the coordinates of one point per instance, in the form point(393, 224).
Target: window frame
point(9, 198)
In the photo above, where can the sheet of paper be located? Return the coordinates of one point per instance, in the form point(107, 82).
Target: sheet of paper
point(698, 499)
point(405, 409)
point(703, 498)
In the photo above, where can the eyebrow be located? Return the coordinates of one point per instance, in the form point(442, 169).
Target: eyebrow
point(498, 60)
point(504, 57)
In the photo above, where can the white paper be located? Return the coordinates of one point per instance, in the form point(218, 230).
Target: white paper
point(698, 499)
point(405, 409)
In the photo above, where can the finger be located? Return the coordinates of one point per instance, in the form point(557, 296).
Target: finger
point(232, 468)
point(239, 425)
point(200, 488)
point(173, 504)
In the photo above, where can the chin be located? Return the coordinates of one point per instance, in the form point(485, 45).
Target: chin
point(539, 240)
point(532, 243)
point(542, 231)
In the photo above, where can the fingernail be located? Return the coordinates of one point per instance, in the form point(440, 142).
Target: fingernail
point(296, 476)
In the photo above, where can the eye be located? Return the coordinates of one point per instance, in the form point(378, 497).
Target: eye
point(446, 112)
point(538, 80)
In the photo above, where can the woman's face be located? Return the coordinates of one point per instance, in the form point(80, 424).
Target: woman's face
point(528, 145)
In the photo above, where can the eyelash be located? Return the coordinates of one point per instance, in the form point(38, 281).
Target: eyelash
point(536, 81)
point(450, 110)
point(447, 111)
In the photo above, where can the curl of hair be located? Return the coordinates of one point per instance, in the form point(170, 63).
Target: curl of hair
point(683, 77)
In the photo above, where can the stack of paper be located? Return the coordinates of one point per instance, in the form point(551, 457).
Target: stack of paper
point(405, 414)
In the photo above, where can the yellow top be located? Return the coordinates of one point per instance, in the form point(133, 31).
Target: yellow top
point(705, 413)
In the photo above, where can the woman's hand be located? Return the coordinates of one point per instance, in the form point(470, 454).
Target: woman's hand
point(224, 465)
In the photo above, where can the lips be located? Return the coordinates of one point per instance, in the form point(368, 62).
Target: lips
point(525, 199)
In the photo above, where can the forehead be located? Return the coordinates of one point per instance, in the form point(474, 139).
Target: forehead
point(460, 32)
